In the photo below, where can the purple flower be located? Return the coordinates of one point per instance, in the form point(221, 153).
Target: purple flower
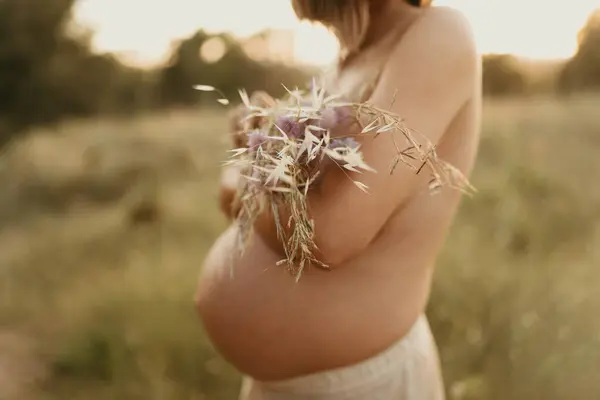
point(345, 114)
point(329, 119)
point(291, 126)
point(335, 117)
point(344, 142)
point(256, 138)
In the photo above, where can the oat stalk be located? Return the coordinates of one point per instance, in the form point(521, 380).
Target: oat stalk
point(289, 143)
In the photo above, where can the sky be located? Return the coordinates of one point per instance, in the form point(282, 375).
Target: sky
point(143, 30)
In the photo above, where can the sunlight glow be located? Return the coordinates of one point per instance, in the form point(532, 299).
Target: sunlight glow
point(213, 50)
point(143, 31)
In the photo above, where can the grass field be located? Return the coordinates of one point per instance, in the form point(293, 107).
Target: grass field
point(104, 225)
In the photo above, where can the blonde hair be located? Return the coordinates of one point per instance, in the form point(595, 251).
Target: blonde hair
point(347, 19)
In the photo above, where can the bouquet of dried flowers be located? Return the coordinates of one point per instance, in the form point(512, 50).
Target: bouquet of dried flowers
point(288, 141)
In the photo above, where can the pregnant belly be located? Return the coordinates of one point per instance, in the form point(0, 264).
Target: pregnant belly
point(270, 327)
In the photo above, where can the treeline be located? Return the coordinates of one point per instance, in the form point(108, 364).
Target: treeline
point(232, 70)
point(505, 75)
point(49, 72)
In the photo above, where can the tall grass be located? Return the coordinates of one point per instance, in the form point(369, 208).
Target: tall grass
point(104, 226)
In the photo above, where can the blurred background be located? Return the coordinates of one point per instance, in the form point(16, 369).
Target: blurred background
point(109, 167)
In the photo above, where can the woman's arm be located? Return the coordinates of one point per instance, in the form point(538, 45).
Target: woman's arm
point(230, 175)
point(434, 70)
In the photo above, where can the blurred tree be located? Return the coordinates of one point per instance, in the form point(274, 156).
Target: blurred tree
point(582, 72)
point(194, 62)
point(502, 75)
point(541, 75)
point(48, 72)
point(30, 34)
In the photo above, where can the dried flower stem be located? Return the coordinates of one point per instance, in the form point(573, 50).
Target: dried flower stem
point(283, 157)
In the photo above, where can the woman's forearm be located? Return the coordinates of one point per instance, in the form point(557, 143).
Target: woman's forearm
point(265, 226)
point(266, 223)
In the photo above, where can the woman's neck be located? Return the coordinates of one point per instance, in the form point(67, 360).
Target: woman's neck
point(387, 18)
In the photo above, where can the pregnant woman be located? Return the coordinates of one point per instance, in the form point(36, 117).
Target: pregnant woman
point(359, 330)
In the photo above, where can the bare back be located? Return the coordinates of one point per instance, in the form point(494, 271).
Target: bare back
point(270, 327)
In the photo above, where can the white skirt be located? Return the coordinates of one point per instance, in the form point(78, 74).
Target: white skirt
point(408, 370)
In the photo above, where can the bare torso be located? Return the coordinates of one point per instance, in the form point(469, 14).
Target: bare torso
point(271, 327)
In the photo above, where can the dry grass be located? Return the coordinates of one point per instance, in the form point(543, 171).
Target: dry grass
point(105, 225)
point(287, 142)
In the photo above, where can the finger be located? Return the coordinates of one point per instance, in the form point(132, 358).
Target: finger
point(230, 177)
point(240, 139)
point(228, 203)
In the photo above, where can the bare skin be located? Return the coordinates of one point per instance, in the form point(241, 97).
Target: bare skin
point(382, 246)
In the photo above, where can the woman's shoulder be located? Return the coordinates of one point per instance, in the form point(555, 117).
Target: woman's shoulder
point(446, 21)
point(440, 33)
point(436, 57)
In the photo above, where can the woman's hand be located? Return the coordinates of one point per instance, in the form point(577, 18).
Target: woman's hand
point(240, 123)
point(238, 126)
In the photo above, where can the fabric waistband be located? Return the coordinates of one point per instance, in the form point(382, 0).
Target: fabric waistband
point(416, 343)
